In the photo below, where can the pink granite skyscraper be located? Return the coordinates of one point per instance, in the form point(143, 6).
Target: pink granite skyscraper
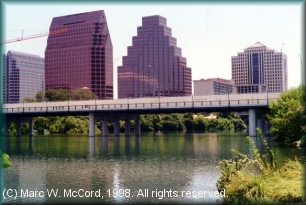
point(154, 65)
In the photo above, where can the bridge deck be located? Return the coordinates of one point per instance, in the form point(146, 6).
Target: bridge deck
point(145, 105)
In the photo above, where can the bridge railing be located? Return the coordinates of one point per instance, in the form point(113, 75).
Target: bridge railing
point(71, 106)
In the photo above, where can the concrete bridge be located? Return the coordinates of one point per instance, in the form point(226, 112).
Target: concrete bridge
point(130, 109)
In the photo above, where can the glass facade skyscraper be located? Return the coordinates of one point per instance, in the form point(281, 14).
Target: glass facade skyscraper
point(25, 75)
point(154, 65)
point(4, 78)
point(260, 69)
point(82, 55)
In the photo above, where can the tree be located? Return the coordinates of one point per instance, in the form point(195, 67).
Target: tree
point(188, 119)
point(29, 100)
point(287, 114)
point(225, 124)
point(40, 123)
point(200, 123)
point(12, 129)
point(57, 95)
point(147, 122)
point(39, 96)
point(82, 94)
point(172, 122)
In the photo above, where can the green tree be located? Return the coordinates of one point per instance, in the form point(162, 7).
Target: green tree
point(287, 114)
point(238, 124)
point(212, 124)
point(29, 100)
point(12, 130)
point(57, 95)
point(40, 124)
point(38, 96)
point(58, 125)
point(172, 122)
point(225, 124)
point(188, 119)
point(146, 122)
point(82, 94)
point(75, 125)
point(24, 128)
point(200, 123)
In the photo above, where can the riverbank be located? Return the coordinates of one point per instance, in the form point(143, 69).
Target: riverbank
point(259, 180)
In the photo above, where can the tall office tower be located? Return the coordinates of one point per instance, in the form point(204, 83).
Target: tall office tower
point(25, 75)
point(154, 65)
point(260, 69)
point(80, 54)
point(4, 78)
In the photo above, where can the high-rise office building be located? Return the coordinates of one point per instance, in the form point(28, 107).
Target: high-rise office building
point(260, 69)
point(4, 78)
point(154, 65)
point(25, 75)
point(81, 54)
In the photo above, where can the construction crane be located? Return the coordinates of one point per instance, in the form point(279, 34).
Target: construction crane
point(36, 36)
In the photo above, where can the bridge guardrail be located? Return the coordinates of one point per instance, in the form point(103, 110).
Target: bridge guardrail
point(93, 105)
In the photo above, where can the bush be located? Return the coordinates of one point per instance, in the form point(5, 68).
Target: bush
point(4, 160)
point(258, 180)
point(287, 115)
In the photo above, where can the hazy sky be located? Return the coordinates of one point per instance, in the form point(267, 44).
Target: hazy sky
point(208, 34)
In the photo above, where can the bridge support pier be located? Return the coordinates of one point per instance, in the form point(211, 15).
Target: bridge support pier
point(262, 122)
point(127, 126)
point(252, 122)
point(116, 127)
point(104, 127)
point(91, 124)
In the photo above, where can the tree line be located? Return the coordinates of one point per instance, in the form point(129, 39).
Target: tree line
point(150, 122)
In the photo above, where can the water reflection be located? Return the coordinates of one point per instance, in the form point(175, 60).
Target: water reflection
point(91, 147)
point(116, 146)
point(177, 162)
point(127, 145)
point(31, 145)
point(137, 144)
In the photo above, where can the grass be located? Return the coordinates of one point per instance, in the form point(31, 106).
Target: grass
point(259, 180)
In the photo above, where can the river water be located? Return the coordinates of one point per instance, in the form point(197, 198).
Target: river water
point(150, 169)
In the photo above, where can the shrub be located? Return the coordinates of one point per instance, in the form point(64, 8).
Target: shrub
point(4, 160)
point(258, 180)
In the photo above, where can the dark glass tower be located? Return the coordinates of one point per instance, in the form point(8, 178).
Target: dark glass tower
point(154, 65)
point(81, 55)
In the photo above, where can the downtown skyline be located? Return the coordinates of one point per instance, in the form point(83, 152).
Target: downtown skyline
point(206, 46)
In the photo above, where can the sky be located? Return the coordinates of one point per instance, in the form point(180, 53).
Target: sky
point(208, 34)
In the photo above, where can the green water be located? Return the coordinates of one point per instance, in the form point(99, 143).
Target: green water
point(150, 169)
